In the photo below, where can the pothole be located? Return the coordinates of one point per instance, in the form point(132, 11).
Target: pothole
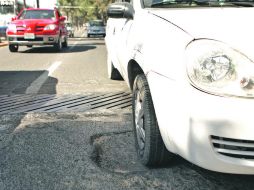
point(116, 153)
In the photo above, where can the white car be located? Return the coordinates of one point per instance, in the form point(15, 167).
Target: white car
point(96, 28)
point(70, 29)
point(190, 66)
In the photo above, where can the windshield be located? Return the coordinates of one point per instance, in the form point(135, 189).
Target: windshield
point(197, 3)
point(37, 14)
point(68, 24)
point(96, 23)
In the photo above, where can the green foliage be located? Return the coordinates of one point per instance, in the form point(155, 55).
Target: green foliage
point(81, 11)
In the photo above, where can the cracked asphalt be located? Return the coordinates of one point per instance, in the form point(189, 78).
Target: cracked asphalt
point(90, 151)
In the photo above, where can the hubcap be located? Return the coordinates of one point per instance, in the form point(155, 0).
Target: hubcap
point(139, 122)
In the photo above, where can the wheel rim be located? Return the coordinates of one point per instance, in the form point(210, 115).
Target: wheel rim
point(139, 122)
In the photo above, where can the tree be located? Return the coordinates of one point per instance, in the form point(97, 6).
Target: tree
point(81, 11)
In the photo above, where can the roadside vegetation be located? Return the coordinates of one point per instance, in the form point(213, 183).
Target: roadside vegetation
point(81, 11)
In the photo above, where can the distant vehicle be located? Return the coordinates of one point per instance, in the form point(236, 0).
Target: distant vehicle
point(190, 66)
point(37, 27)
point(96, 28)
point(8, 10)
point(70, 28)
point(3, 31)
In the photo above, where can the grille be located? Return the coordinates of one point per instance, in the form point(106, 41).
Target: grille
point(236, 148)
point(35, 40)
point(20, 29)
point(39, 28)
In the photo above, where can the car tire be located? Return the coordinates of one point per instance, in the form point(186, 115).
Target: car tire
point(58, 44)
point(113, 73)
point(88, 35)
point(65, 43)
point(149, 144)
point(13, 48)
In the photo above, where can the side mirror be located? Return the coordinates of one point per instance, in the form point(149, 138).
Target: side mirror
point(14, 18)
point(120, 10)
point(62, 18)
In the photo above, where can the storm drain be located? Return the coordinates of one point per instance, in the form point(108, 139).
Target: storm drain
point(65, 103)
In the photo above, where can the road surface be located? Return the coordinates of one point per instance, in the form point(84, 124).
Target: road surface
point(64, 125)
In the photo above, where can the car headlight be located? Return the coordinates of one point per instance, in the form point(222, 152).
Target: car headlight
point(50, 27)
point(12, 28)
point(218, 69)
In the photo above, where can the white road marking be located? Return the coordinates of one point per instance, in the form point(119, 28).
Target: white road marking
point(37, 84)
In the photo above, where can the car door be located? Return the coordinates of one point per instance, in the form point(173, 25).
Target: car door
point(122, 34)
point(116, 36)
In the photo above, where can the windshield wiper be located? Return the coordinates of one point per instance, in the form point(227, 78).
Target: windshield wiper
point(204, 3)
point(242, 3)
point(225, 3)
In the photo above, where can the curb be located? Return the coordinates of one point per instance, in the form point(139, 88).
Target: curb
point(2, 44)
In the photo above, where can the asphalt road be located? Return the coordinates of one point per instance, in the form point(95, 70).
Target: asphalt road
point(81, 68)
point(79, 150)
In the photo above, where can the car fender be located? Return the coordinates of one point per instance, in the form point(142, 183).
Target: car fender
point(165, 69)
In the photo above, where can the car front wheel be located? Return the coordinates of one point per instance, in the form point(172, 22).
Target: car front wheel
point(13, 48)
point(149, 144)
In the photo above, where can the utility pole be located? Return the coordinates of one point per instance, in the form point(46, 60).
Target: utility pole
point(24, 3)
point(38, 3)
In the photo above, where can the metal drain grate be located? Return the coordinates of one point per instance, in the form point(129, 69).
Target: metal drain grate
point(65, 103)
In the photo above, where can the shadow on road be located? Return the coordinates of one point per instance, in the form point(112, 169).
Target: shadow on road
point(70, 49)
point(115, 153)
point(17, 82)
point(78, 38)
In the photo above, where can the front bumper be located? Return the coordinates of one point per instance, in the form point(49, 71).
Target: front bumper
point(96, 33)
point(216, 133)
point(38, 40)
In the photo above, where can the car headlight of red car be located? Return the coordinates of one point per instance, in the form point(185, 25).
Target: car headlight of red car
point(218, 69)
point(12, 28)
point(50, 27)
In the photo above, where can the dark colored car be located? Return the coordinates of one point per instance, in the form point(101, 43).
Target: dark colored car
point(3, 31)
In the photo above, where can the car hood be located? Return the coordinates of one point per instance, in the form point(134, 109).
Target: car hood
point(33, 22)
point(229, 25)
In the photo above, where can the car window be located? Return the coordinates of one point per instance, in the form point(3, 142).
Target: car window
point(37, 14)
point(96, 23)
point(196, 3)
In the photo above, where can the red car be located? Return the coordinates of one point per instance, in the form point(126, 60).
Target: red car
point(37, 27)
